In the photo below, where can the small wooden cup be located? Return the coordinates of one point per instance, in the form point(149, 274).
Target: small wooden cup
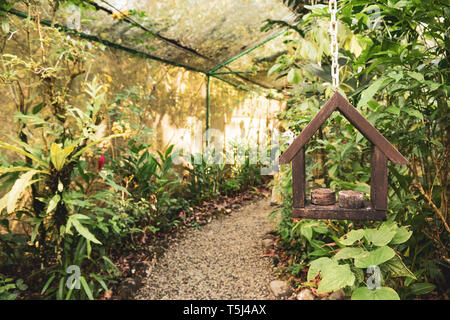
point(351, 199)
point(323, 197)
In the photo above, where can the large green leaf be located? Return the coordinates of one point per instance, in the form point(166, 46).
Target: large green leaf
point(421, 288)
point(335, 277)
point(379, 237)
point(397, 268)
point(86, 288)
point(381, 293)
point(293, 76)
point(318, 265)
point(82, 230)
point(59, 155)
point(401, 235)
point(8, 146)
point(18, 169)
point(375, 257)
point(368, 94)
point(347, 253)
point(53, 203)
point(18, 189)
point(350, 238)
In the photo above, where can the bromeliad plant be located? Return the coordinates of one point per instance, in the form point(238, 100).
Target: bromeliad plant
point(56, 209)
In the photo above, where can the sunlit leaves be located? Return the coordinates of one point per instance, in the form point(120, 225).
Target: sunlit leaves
point(351, 237)
point(333, 275)
point(347, 253)
point(368, 93)
point(74, 220)
point(59, 155)
point(379, 237)
point(381, 293)
point(20, 185)
point(375, 257)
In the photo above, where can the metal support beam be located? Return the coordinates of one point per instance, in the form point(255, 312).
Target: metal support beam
point(243, 53)
point(208, 85)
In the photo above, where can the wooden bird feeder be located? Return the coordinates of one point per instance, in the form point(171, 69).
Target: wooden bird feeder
point(382, 151)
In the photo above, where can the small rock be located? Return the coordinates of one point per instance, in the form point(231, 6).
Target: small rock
point(337, 295)
point(127, 288)
point(306, 294)
point(280, 289)
point(228, 211)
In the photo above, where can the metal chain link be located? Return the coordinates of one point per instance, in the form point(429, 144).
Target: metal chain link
point(334, 44)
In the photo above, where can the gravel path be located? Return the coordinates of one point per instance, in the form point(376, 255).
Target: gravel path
point(222, 260)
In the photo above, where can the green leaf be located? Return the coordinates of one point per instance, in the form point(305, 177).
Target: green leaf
point(86, 288)
point(275, 68)
point(47, 284)
point(335, 277)
point(393, 110)
point(100, 280)
point(379, 237)
point(53, 203)
point(413, 113)
point(421, 288)
point(350, 238)
point(20, 285)
point(402, 235)
point(375, 257)
point(19, 188)
point(293, 76)
point(5, 26)
point(59, 293)
point(35, 230)
point(368, 94)
point(306, 231)
point(83, 231)
point(26, 154)
point(17, 169)
point(381, 293)
point(58, 155)
point(416, 75)
point(347, 253)
point(318, 265)
point(397, 268)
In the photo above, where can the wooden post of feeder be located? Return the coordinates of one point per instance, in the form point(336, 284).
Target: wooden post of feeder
point(299, 179)
point(378, 179)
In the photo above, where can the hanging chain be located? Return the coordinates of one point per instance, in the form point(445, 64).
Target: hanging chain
point(334, 44)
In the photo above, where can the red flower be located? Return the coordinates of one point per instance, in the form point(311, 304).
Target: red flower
point(345, 141)
point(292, 243)
point(101, 162)
point(181, 214)
point(296, 220)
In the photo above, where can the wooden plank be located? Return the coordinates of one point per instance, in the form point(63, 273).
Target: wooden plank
point(299, 179)
point(309, 130)
point(378, 179)
point(369, 131)
point(368, 213)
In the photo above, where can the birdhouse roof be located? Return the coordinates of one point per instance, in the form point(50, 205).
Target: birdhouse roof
point(338, 102)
